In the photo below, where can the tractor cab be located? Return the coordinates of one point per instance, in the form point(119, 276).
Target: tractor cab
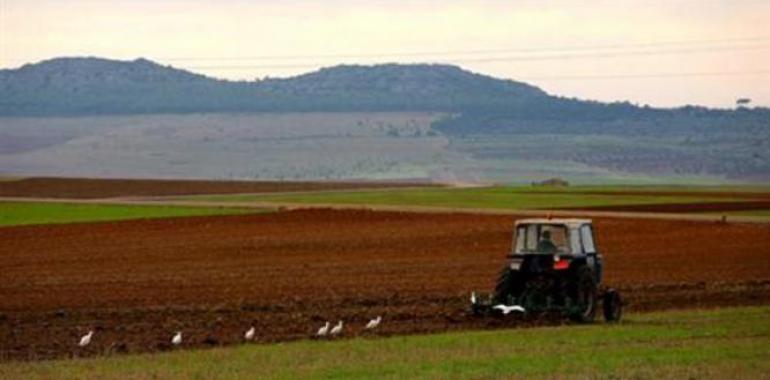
point(565, 242)
point(566, 235)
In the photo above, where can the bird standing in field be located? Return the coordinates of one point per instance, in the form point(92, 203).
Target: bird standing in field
point(323, 330)
point(337, 329)
point(374, 323)
point(85, 340)
point(473, 298)
point(177, 339)
point(249, 335)
point(507, 309)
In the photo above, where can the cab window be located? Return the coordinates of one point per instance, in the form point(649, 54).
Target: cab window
point(587, 236)
point(574, 236)
point(521, 237)
point(546, 238)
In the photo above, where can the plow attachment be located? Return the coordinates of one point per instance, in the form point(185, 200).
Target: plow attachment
point(481, 306)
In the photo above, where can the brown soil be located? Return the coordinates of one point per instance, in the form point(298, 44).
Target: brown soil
point(87, 188)
point(755, 195)
point(687, 207)
point(286, 273)
point(753, 201)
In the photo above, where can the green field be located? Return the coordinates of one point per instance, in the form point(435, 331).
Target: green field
point(621, 188)
point(21, 213)
point(726, 343)
point(499, 197)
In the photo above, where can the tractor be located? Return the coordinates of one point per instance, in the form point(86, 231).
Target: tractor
point(554, 267)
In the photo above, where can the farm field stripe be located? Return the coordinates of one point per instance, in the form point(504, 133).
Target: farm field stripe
point(264, 205)
point(723, 343)
point(481, 197)
point(25, 213)
point(91, 188)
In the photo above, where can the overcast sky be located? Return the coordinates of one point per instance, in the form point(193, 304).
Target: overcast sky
point(656, 52)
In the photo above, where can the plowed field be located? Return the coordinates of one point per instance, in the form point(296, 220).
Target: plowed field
point(136, 282)
point(87, 188)
point(687, 207)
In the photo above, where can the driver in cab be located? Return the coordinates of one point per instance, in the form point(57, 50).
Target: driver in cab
point(545, 245)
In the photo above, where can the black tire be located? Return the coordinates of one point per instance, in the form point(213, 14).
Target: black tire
point(583, 293)
point(508, 287)
point(612, 305)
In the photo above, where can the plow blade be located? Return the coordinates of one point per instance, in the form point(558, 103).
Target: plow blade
point(481, 306)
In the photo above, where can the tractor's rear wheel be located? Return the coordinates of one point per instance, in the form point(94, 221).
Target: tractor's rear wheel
point(583, 293)
point(612, 305)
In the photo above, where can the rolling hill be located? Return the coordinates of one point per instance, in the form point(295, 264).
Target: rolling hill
point(352, 121)
point(88, 86)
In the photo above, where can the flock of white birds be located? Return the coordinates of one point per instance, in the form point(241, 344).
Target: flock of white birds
point(327, 330)
point(250, 334)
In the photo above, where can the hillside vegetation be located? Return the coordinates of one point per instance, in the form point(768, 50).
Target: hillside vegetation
point(87, 86)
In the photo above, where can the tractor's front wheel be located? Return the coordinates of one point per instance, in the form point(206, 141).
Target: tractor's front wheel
point(584, 295)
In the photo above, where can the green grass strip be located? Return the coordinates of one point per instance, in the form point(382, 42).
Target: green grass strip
point(23, 213)
point(727, 343)
point(512, 198)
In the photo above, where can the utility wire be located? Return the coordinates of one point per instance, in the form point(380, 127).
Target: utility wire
point(616, 54)
point(717, 44)
point(515, 58)
point(562, 49)
point(652, 75)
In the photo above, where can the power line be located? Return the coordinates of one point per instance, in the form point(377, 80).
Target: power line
point(616, 54)
point(519, 58)
point(478, 51)
point(697, 44)
point(651, 75)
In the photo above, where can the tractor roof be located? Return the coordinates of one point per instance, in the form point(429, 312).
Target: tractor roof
point(560, 221)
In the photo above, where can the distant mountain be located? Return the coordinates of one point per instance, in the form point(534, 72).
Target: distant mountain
point(400, 87)
point(465, 125)
point(95, 86)
point(67, 86)
point(69, 73)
